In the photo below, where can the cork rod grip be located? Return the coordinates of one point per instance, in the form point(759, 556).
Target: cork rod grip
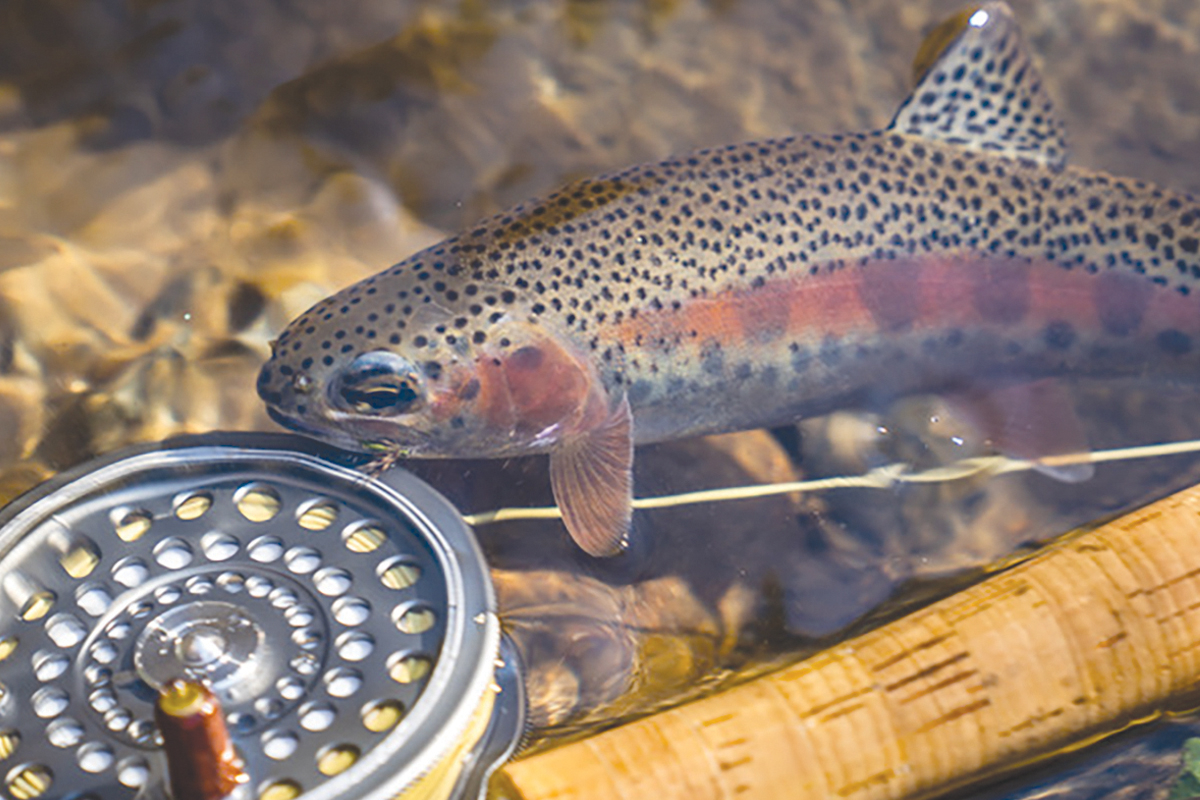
point(1095, 633)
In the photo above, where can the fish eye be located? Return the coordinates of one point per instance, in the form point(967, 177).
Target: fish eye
point(378, 383)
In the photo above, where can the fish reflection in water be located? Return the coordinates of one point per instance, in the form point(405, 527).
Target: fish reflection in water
point(955, 252)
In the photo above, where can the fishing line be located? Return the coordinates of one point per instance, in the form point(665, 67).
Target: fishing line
point(884, 477)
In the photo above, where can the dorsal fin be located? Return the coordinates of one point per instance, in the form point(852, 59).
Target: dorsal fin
point(977, 87)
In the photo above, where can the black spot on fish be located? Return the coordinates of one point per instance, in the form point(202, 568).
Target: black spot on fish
point(743, 371)
point(1174, 342)
point(830, 353)
point(801, 358)
point(639, 390)
point(1001, 292)
point(891, 295)
point(712, 359)
point(1059, 335)
point(1121, 302)
point(433, 370)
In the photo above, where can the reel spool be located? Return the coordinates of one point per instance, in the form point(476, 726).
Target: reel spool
point(346, 626)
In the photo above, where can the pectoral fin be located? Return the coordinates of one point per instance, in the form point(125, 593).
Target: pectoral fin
point(592, 476)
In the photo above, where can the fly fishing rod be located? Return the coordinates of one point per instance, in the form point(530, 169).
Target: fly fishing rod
point(1098, 632)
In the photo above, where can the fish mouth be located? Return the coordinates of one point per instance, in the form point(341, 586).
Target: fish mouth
point(391, 439)
point(324, 434)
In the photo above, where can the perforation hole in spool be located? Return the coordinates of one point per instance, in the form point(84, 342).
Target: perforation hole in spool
point(28, 781)
point(65, 630)
point(290, 688)
point(279, 745)
point(167, 594)
point(130, 572)
point(131, 524)
point(280, 790)
point(9, 741)
point(399, 573)
point(93, 599)
point(363, 537)
point(193, 506)
point(351, 611)
point(283, 598)
point(50, 701)
point(219, 546)
point(257, 502)
point(133, 772)
point(269, 707)
point(266, 549)
point(95, 757)
point(413, 618)
point(302, 560)
point(379, 716)
point(336, 758)
point(49, 666)
point(317, 716)
point(37, 605)
point(80, 558)
point(64, 732)
point(355, 646)
point(299, 616)
point(173, 553)
point(406, 668)
point(259, 586)
point(317, 515)
point(333, 581)
point(343, 682)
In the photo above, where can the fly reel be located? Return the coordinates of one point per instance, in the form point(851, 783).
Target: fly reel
point(344, 626)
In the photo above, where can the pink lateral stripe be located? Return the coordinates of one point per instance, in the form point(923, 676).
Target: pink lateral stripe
point(918, 294)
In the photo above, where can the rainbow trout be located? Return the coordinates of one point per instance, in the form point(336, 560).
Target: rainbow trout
point(755, 284)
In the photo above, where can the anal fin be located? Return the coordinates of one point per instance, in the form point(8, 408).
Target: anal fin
point(591, 473)
point(1033, 420)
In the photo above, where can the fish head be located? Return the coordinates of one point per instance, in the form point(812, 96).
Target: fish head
point(428, 380)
